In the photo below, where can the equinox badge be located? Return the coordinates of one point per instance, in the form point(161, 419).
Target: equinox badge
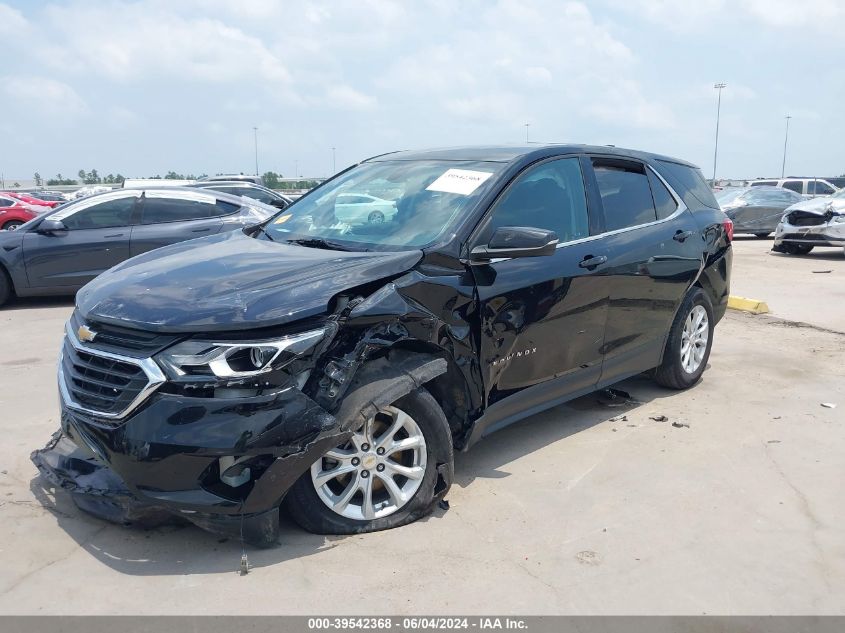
point(85, 334)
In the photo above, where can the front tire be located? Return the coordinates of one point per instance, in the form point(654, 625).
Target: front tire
point(385, 476)
point(688, 347)
point(796, 249)
point(5, 287)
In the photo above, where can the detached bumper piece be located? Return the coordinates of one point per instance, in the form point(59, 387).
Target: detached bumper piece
point(223, 465)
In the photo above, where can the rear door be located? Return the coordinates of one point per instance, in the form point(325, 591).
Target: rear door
point(170, 217)
point(654, 250)
point(97, 239)
point(541, 318)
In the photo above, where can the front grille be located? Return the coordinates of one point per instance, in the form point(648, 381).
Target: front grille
point(101, 384)
point(807, 220)
point(122, 340)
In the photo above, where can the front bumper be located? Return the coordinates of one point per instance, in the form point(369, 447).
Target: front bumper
point(826, 234)
point(163, 462)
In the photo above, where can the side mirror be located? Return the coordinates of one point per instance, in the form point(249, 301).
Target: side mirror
point(516, 241)
point(52, 227)
point(279, 204)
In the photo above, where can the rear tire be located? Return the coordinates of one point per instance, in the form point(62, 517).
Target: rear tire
point(11, 225)
point(5, 287)
point(376, 217)
point(689, 343)
point(309, 502)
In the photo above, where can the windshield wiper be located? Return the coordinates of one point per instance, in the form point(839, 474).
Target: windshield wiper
point(319, 242)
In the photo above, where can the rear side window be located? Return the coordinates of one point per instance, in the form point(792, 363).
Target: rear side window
point(795, 185)
point(6, 203)
point(625, 193)
point(158, 210)
point(688, 181)
point(663, 200)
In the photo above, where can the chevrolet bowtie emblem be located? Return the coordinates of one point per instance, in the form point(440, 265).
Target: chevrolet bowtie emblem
point(86, 334)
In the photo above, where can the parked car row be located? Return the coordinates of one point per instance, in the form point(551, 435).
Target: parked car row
point(60, 251)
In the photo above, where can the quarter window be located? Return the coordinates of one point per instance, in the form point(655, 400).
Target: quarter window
point(625, 193)
point(549, 196)
point(663, 200)
point(158, 210)
point(109, 214)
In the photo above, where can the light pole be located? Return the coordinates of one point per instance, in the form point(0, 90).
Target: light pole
point(785, 139)
point(527, 125)
point(334, 161)
point(718, 87)
point(296, 169)
point(255, 133)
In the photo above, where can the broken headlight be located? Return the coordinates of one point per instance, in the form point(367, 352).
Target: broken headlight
point(235, 368)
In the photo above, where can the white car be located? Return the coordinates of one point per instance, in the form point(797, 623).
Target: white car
point(810, 223)
point(361, 208)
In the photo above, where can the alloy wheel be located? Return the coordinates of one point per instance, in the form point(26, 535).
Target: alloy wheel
point(377, 472)
point(694, 339)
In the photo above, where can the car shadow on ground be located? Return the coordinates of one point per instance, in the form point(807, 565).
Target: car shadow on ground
point(30, 303)
point(836, 254)
point(184, 549)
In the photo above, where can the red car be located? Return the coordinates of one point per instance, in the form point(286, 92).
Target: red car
point(13, 213)
point(28, 199)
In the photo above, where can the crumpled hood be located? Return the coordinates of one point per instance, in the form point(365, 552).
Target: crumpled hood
point(230, 282)
point(819, 206)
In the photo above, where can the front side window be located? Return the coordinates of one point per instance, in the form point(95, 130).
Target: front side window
point(409, 204)
point(549, 196)
point(819, 188)
point(795, 185)
point(160, 208)
point(625, 193)
point(107, 214)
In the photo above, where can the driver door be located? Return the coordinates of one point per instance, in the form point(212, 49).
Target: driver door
point(96, 239)
point(542, 318)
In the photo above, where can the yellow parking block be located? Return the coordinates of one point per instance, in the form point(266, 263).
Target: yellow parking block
point(747, 305)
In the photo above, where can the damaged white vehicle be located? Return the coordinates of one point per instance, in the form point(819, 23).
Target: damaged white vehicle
point(811, 223)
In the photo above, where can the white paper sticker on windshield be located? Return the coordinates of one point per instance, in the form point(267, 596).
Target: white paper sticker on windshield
point(461, 181)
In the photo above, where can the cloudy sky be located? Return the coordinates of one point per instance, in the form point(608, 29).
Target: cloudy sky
point(155, 85)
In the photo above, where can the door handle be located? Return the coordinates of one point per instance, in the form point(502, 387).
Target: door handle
point(200, 230)
point(681, 236)
point(114, 235)
point(591, 263)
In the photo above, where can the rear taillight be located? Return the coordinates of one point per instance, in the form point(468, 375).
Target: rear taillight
point(729, 229)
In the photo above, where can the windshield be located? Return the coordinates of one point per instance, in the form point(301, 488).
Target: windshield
point(386, 205)
point(726, 197)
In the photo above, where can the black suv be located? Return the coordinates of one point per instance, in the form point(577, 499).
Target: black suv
point(334, 364)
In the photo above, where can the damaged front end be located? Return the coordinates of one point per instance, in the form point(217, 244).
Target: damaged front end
point(214, 433)
point(811, 227)
point(160, 427)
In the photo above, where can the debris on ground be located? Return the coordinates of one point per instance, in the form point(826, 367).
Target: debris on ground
point(822, 271)
point(659, 418)
point(829, 405)
point(773, 442)
point(617, 418)
point(244, 564)
point(678, 424)
point(444, 504)
point(615, 398)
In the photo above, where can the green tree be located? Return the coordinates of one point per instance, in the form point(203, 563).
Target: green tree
point(61, 180)
point(38, 180)
point(81, 173)
point(16, 185)
point(271, 179)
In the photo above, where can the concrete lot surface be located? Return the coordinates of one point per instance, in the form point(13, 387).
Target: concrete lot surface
point(575, 511)
point(807, 288)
